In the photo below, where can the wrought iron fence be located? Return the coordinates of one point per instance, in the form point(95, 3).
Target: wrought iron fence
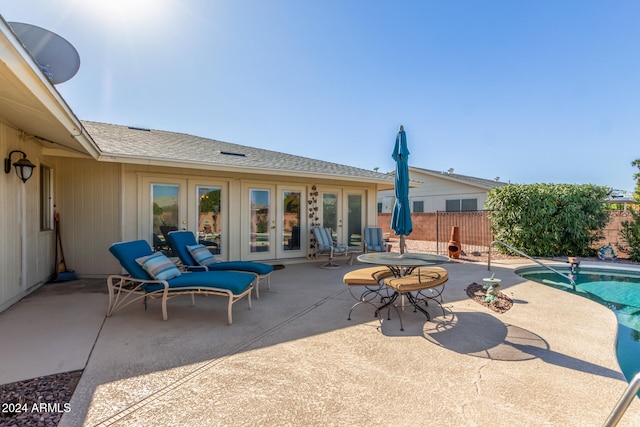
point(473, 228)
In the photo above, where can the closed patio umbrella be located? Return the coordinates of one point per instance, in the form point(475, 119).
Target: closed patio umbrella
point(401, 216)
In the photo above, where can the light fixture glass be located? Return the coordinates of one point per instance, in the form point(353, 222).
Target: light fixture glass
point(24, 168)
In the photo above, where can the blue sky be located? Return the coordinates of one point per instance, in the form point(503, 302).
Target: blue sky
point(528, 91)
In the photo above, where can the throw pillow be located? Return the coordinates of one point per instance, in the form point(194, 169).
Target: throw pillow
point(159, 266)
point(201, 254)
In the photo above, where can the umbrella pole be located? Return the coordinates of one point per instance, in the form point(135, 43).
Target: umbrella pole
point(401, 244)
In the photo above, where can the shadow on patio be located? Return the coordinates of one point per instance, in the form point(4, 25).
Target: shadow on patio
point(295, 358)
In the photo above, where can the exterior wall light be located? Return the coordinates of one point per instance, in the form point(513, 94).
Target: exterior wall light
point(24, 168)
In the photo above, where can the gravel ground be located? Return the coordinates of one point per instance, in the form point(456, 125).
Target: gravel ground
point(37, 402)
point(482, 256)
point(422, 246)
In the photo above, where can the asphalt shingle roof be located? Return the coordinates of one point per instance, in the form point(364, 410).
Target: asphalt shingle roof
point(144, 144)
point(479, 182)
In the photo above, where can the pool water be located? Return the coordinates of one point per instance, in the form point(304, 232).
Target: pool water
point(617, 288)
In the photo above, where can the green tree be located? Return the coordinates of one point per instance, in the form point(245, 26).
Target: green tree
point(549, 219)
point(630, 231)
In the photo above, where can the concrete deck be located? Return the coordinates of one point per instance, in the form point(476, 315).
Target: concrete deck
point(295, 359)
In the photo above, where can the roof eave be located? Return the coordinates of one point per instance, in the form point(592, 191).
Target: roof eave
point(453, 178)
point(21, 63)
point(150, 161)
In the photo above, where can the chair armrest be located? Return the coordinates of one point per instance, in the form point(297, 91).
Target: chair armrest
point(124, 290)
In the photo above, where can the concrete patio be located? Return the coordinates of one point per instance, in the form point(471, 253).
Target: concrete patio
point(295, 359)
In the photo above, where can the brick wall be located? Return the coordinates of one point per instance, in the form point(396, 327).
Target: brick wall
point(474, 227)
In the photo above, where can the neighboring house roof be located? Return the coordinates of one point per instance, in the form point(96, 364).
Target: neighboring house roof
point(487, 184)
point(149, 146)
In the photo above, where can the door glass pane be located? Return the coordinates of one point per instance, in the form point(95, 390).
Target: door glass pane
point(260, 220)
point(164, 199)
point(291, 226)
point(209, 218)
point(330, 212)
point(354, 221)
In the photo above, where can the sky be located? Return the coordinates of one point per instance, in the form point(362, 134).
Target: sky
point(540, 91)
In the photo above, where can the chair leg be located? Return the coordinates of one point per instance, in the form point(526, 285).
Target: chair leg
point(330, 265)
point(230, 310)
point(165, 297)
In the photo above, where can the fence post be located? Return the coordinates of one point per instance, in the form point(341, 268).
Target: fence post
point(437, 235)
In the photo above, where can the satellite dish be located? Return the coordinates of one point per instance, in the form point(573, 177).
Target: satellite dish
point(57, 58)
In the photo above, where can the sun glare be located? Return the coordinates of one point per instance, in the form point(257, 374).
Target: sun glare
point(142, 14)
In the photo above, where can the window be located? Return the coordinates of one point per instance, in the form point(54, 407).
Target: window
point(469, 205)
point(418, 206)
point(46, 198)
point(461, 205)
point(379, 207)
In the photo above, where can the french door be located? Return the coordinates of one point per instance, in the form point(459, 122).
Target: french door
point(273, 222)
point(165, 202)
point(342, 211)
point(180, 204)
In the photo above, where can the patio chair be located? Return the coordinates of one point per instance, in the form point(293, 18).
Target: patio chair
point(420, 287)
point(153, 275)
point(326, 245)
point(374, 240)
point(369, 281)
point(194, 256)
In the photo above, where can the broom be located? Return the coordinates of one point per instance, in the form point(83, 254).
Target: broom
point(63, 274)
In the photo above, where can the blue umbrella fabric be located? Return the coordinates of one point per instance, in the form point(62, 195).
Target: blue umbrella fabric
point(401, 216)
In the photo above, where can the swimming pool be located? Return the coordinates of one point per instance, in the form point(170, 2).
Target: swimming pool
point(614, 286)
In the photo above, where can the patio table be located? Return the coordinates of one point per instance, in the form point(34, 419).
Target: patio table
point(402, 265)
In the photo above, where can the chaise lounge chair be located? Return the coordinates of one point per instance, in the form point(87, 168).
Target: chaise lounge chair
point(153, 275)
point(196, 256)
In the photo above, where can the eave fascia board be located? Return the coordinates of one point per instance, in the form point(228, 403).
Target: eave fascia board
point(147, 161)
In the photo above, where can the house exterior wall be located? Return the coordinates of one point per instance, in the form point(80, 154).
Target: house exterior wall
point(102, 202)
point(87, 197)
point(434, 192)
point(26, 252)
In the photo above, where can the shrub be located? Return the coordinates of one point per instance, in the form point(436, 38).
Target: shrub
point(549, 219)
point(630, 231)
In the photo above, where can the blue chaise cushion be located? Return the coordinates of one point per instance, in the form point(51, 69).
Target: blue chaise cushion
point(127, 252)
point(253, 267)
point(179, 240)
point(236, 282)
